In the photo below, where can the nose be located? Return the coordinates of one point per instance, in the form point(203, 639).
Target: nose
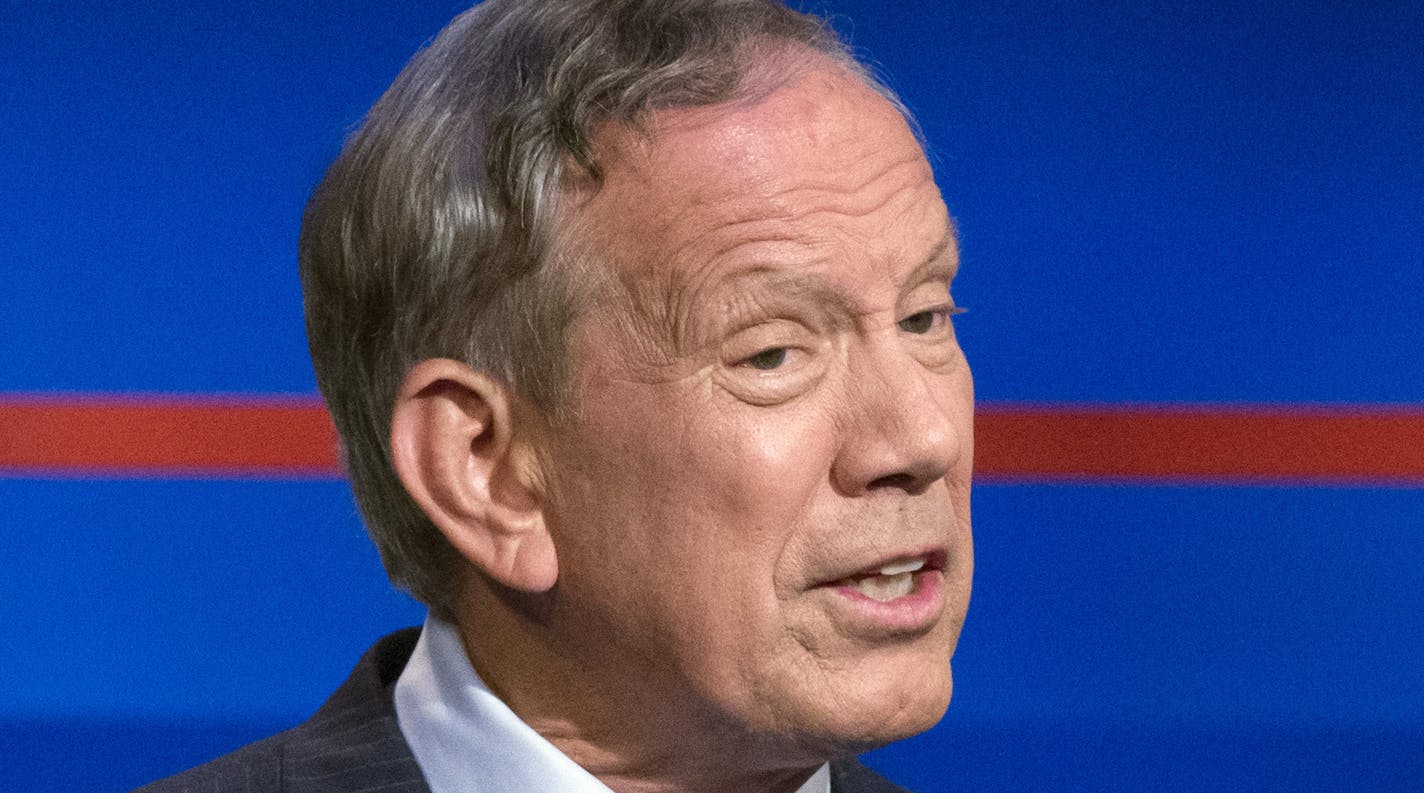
point(905, 425)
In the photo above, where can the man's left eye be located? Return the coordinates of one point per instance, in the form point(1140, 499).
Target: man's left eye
point(923, 322)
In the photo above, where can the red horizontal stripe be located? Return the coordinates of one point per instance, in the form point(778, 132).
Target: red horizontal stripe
point(231, 436)
point(1343, 444)
point(204, 436)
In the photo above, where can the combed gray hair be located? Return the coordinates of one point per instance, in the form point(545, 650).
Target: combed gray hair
point(433, 233)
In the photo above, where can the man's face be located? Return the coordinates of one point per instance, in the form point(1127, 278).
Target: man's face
point(771, 411)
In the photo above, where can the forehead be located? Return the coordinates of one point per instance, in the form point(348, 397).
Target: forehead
point(812, 175)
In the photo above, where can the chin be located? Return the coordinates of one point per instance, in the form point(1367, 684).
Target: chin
point(884, 722)
point(891, 705)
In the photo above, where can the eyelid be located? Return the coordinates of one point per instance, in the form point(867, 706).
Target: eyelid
point(949, 310)
point(802, 367)
point(757, 336)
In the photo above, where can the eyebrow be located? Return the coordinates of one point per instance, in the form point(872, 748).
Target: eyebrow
point(935, 264)
point(780, 286)
point(797, 284)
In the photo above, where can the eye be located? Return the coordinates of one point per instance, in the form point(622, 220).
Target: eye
point(771, 362)
point(923, 322)
point(767, 360)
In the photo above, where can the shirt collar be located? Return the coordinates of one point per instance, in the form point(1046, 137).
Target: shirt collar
point(467, 740)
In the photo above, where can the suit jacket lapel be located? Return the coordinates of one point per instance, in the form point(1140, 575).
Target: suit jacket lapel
point(353, 743)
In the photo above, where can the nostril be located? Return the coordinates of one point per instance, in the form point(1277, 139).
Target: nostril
point(900, 481)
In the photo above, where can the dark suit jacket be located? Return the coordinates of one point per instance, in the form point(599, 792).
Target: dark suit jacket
point(353, 744)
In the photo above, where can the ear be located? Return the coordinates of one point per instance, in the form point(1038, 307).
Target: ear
point(458, 447)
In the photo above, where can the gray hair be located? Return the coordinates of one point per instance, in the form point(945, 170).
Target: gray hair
point(433, 233)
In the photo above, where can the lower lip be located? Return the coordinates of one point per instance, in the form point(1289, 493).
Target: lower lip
point(910, 615)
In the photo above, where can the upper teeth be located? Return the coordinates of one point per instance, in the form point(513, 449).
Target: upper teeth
point(891, 581)
point(906, 566)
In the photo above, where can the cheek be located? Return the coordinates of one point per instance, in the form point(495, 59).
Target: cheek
point(701, 501)
point(963, 411)
point(768, 473)
point(776, 460)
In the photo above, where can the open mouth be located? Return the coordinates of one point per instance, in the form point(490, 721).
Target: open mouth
point(891, 580)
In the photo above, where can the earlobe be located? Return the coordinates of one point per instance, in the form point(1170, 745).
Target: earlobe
point(458, 446)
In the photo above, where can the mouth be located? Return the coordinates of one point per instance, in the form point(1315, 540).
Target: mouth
point(892, 579)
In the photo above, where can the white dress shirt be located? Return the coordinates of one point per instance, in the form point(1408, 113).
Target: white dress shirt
point(468, 741)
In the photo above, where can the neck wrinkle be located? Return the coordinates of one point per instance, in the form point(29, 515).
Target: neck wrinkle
point(625, 757)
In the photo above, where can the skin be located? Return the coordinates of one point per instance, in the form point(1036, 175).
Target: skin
point(768, 397)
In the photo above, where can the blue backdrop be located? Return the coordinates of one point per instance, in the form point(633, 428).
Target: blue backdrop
point(1159, 202)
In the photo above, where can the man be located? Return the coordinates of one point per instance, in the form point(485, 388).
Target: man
point(634, 318)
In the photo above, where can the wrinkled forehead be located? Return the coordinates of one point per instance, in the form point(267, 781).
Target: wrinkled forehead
point(803, 163)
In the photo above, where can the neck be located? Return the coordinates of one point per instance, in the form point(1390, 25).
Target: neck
point(635, 736)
